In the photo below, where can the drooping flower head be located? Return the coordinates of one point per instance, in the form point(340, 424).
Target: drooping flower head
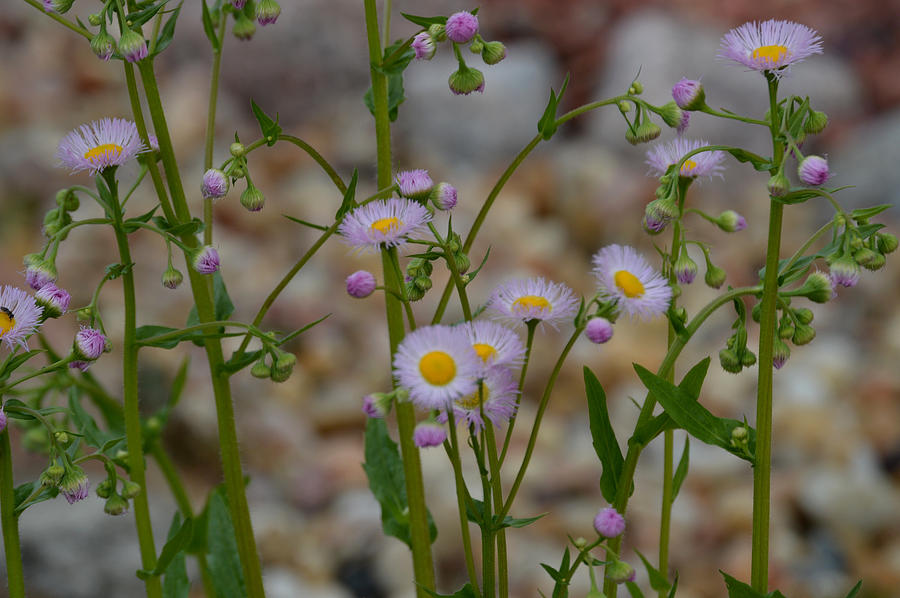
point(214, 184)
point(20, 317)
point(53, 300)
point(813, 170)
point(428, 434)
point(663, 155)
point(522, 300)
point(689, 94)
point(438, 365)
point(89, 344)
point(383, 223)
point(133, 46)
point(461, 27)
point(495, 397)
point(206, 261)
point(74, 484)
point(267, 12)
point(414, 184)
point(623, 274)
point(40, 273)
point(423, 46)
point(495, 344)
point(770, 45)
point(844, 271)
point(360, 284)
point(100, 144)
point(599, 330)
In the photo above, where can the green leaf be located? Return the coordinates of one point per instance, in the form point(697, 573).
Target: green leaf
point(145, 332)
point(674, 587)
point(738, 589)
point(239, 362)
point(138, 18)
point(691, 384)
point(795, 122)
point(473, 273)
point(167, 34)
point(174, 546)
point(191, 227)
point(758, 162)
point(305, 223)
point(424, 22)
point(798, 196)
point(866, 213)
point(24, 491)
point(658, 581)
point(11, 404)
point(178, 383)
point(604, 438)
point(209, 29)
point(114, 271)
point(270, 129)
point(14, 361)
point(682, 469)
point(547, 124)
point(176, 583)
point(300, 331)
point(222, 304)
point(130, 225)
point(397, 57)
point(634, 590)
point(349, 201)
point(475, 514)
point(222, 554)
point(395, 96)
point(464, 592)
point(85, 424)
point(561, 590)
point(387, 481)
point(855, 590)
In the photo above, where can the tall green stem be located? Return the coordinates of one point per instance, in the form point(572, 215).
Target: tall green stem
point(211, 124)
point(423, 565)
point(231, 460)
point(15, 575)
point(133, 439)
point(759, 572)
point(462, 494)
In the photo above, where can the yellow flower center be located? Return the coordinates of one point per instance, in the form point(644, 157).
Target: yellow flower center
point(96, 154)
point(437, 368)
point(7, 321)
point(770, 54)
point(386, 225)
point(688, 167)
point(531, 301)
point(629, 284)
point(484, 351)
point(474, 400)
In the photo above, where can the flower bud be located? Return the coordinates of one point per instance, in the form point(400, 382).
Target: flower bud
point(423, 283)
point(730, 361)
point(443, 196)
point(877, 262)
point(423, 45)
point(206, 260)
point(267, 12)
point(214, 184)
point(462, 262)
point(360, 284)
point(74, 484)
point(624, 107)
point(58, 6)
point(466, 80)
point(62, 437)
point(864, 256)
point(237, 149)
point(413, 292)
point(786, 327)
point(803, 335)
point(887, 243)
point(780, 354)
point(715, 276)
point(619, 571)
point(243, 28)
point(260, 369)
point(115, 505)
point(377, 404)
point(51, 476)
point(429, 433)
point(414, 184)
point(818, 288)
point(609, 523)
point(813, 170)
point(685, 268)
point(461, 27)
point(815, 122)
point(172, 278)
point(748, 358)
point(636, 89)
point(105, 488)
point(731, 222)
point(689, 94)
point(103, 45)
point(844, 271)
point(438, 32)
point(95, 19)
point(53, 299)
point(283, 367)
point(598, 330)
point(252, 198)
point(646, 131)
point(130, 489)
point(476, 46)
point(493, 52)
point(671, 114)
point(803, 315)
point(132, 46)
point(778, 185)
point(739, 435)
point(89, 344)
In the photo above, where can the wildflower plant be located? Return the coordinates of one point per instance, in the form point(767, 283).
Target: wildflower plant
point(456, 386)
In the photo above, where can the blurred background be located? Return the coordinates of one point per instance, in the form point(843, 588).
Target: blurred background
point(836, 480)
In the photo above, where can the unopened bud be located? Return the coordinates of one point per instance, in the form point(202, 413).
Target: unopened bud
point(253, 199)
point(284, 366)
point(715, 276)
point(237, 149)
point(803, 335)
point(671, 114)
point(815, 123)
point(260, 369)
point(778, 185)
point(619, 571)
point(803, 315)
point(730, 361)
point(115, 505)
point(493, 52)
point(887, 243)
point(130, 489)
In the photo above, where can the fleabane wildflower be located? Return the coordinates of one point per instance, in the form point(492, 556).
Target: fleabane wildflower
point(813, 170)
point(731, 222)
point(461, 27)
point(133, 46)
point(100, 144)
point(495, 398)
point(360, 284)
point(381, 224)
point(523, 300)
point(438, 365)
point(89, 344)
point(443, 196)
point(40, 273)
point(609, 523)
point(267, 12)
point(423, 46)
point(623, 274)
point(466, 80)
point(844, 271)
point(770, 45)
point(495, 344)
point(53, 300)
point(598, 330)
point(58, 6)
point(103, 45)
point(689, 94)
point(20, 317)
point(706, 163)
point(414, 184)
point(214, 184)
point(428, 434)
point(74, 484)
point(206, 260)
point(377, 404)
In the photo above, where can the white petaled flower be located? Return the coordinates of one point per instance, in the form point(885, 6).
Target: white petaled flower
point(438, 365)
point(100, 144)
point(20, 317)
point(523, 300)
point(706, 163)
point(495, 344)
point(623, 274)
point(770, 45)
point(381, 224)
point(494, 398)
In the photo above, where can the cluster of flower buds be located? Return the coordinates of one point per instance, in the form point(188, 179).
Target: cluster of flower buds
point(459, 29)
point(281, 366)
point(70, 479)
point(264, 12)
point(418, 278)
point(736, 355)
point(131, 45)
point(215, 183)
point(56, 219)
point(117, 500)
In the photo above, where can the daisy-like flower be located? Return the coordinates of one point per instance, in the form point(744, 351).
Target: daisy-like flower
point(495, 344)
point(383, 223)
point(533, 299)
point(89, 344)
point(770, 45)
point(53, 300)
point(438, 365)
point(663, 155)
point(361, 284)
point(100, 144)
point(414, 184)
point(496, 399)
point(813, 170)
point(214, 184)
point(206, 260)
point(623, 274)
point(20, 317)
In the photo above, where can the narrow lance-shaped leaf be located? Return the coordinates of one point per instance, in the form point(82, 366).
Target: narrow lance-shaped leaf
point(270, 128)
point(604, 438)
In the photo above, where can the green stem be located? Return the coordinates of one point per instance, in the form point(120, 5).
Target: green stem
point(759, 571)
point(211, 125)
point(15, 575)
point(228, 443)
point(131, 410)
point(328, 168)
point(532, 326)
point(48, 368)
point(462, 494)
point(487, 528)
point(497, 492)
point(62, 21)
point(744, 119)
point(420, 536)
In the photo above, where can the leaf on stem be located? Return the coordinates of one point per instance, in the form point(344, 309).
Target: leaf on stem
point(222, 556)
point(176, 583)
point(137, 18)
point(682, 469)
point(14, 361)
point(349, 201)
point(270, 128)
point(167, 33)
point(604, 438)
point(24, 492)
point(546, 126)
point(179, 537)
point(758, 162)
point(658, 581)
point(691, 384)
point(209, 29)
